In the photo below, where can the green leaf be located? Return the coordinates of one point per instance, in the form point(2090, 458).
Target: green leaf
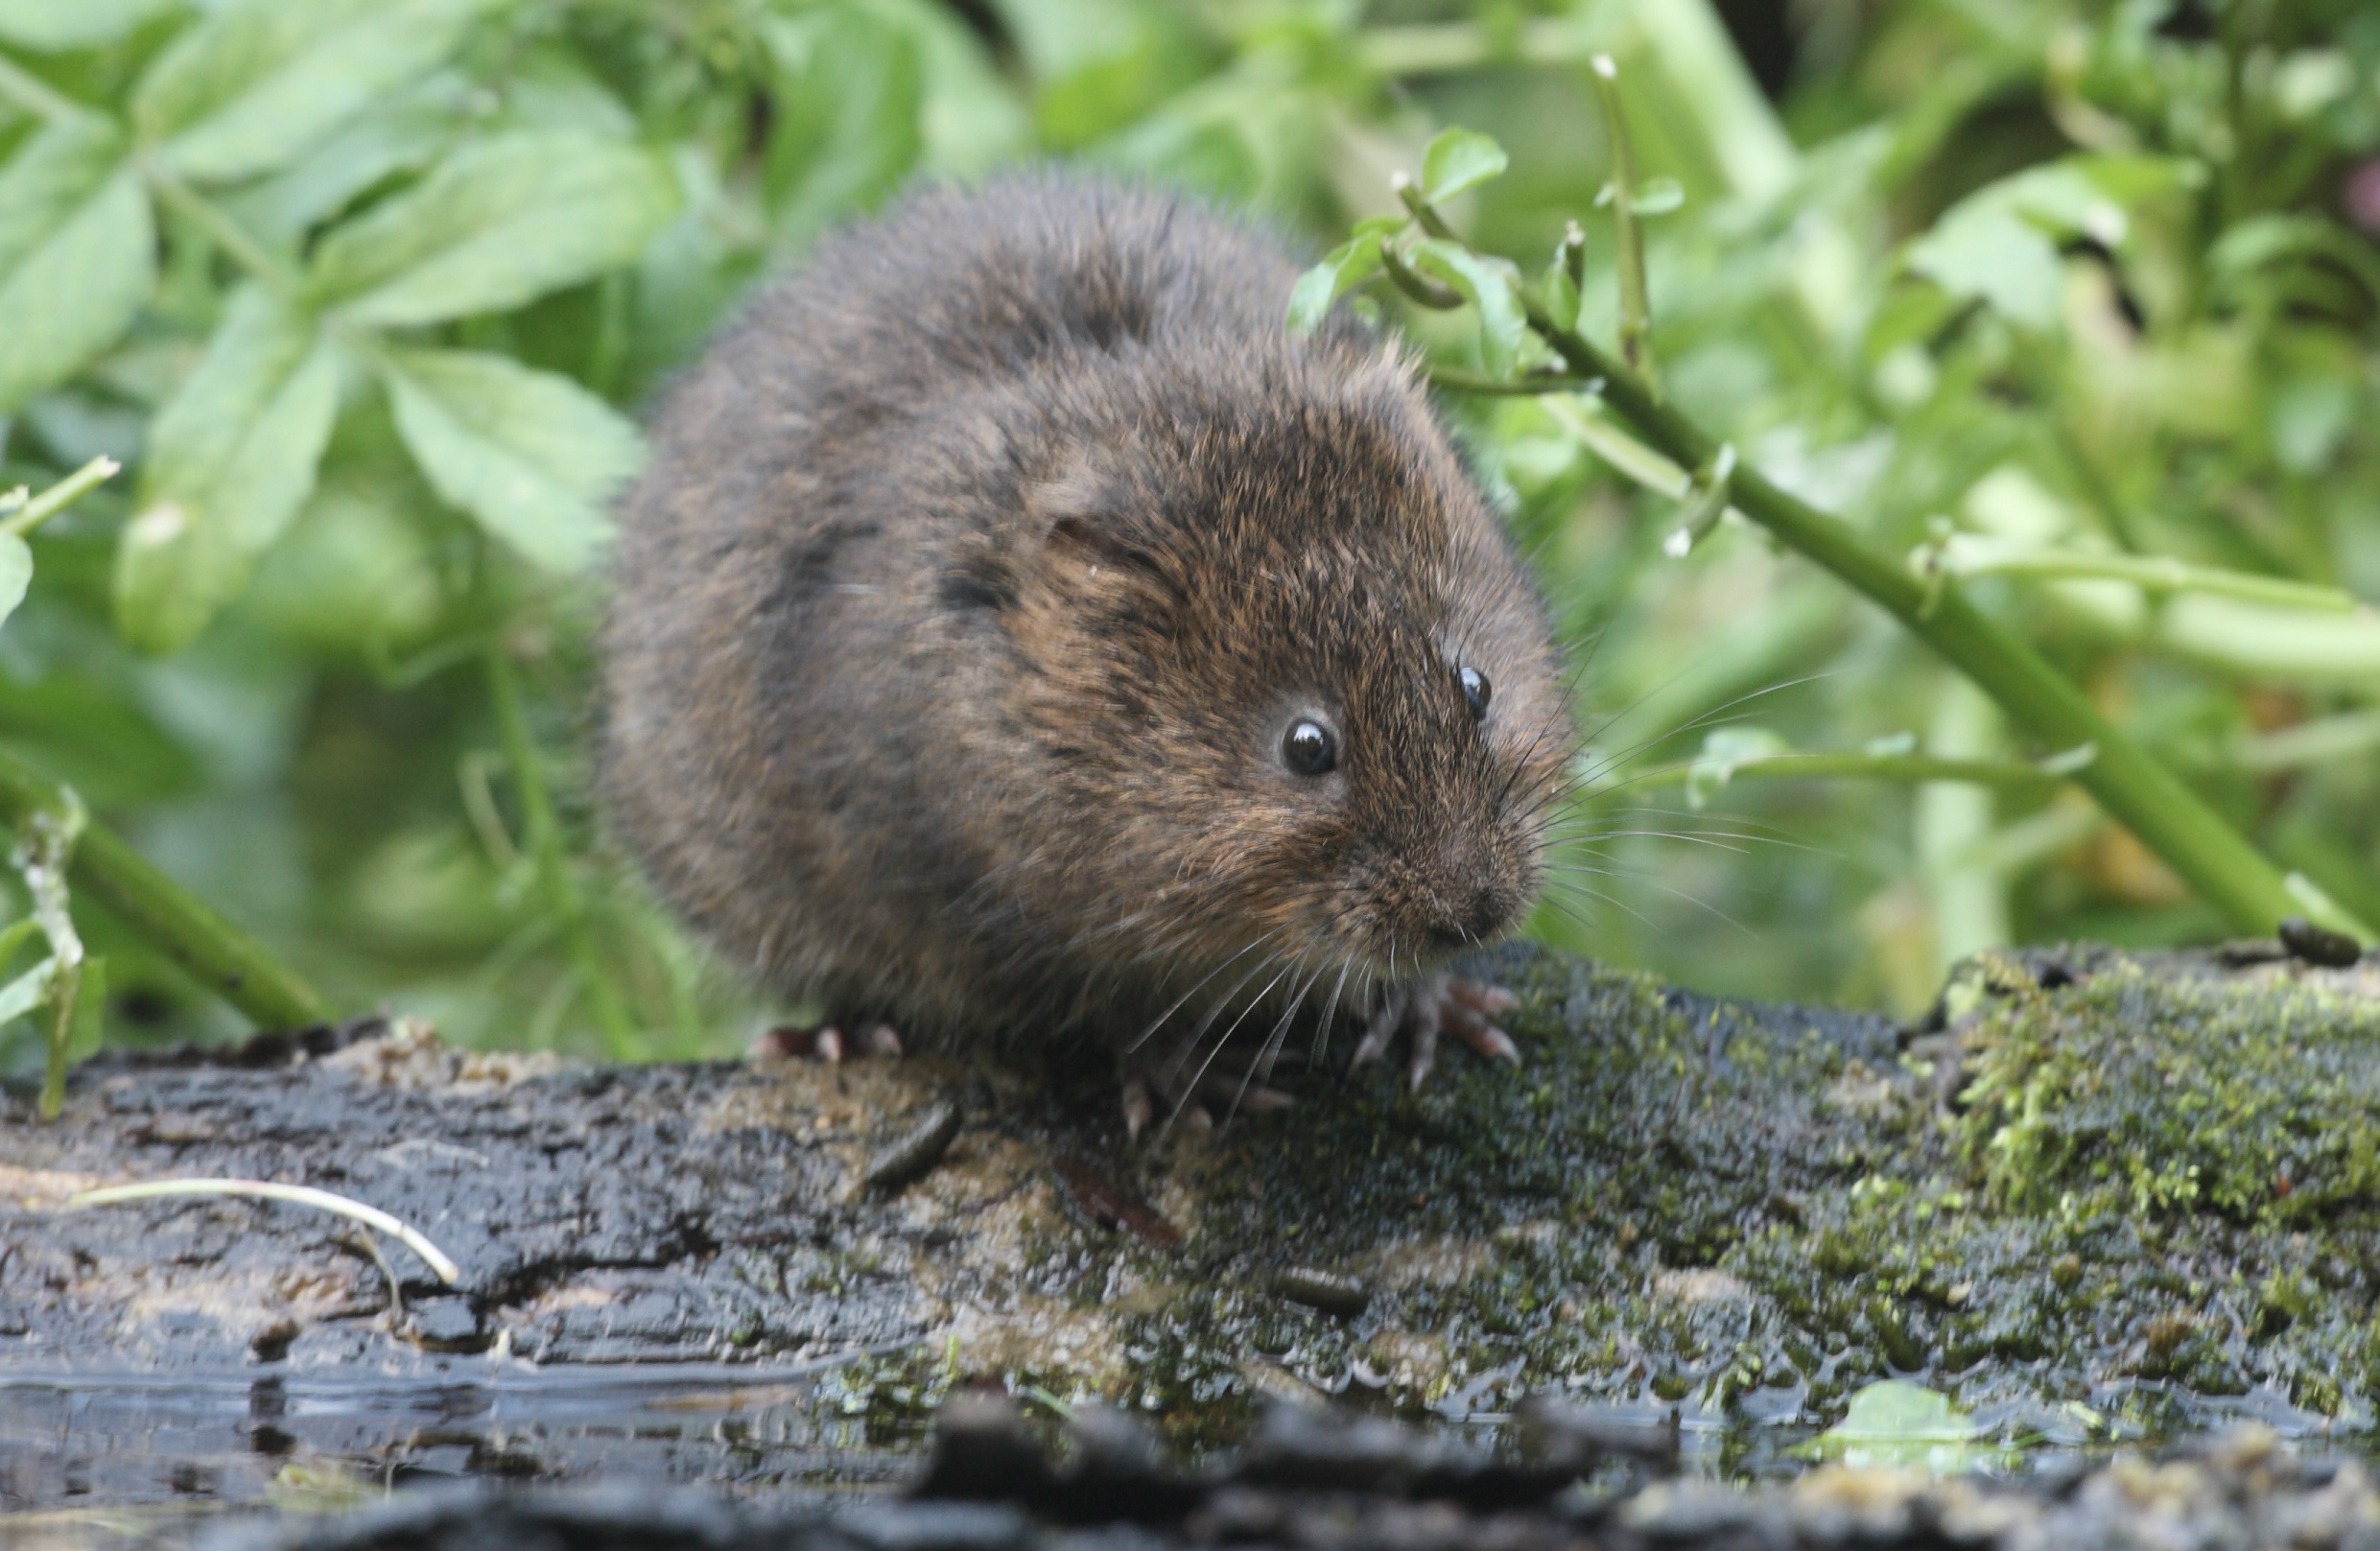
point(52, 25)
point(255, 87)
point(1459, 159)
point(77, 254)
point(15, 572)
point(1895, 1423)
point(1560, 294)
point(1724, 751)
point(231, 457)
point(15, 935)
point(27, 991)
point(1098, 66)
point(1986, 254)
point(83, 1039)
point(850, 89)
point(498, 223)
point(1659, 195)
point(1342, 269)
point(1896, 1409)
point(89, 1012)
point(2000, 244)
point(1908, 314)
point(87, 732)
point(401, 134)
point(1490, 285)
point(971, 117)
point(1208, 153)
point(553, 88)
point(532, 456)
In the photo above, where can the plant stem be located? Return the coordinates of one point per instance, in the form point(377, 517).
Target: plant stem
point(45, 839)
point(1617, 448)
point(2140, 793)
point(1636, 300)
point(2155, 574)
point(224, 957)
point(1457, 380)
point(1905, 767)
point(35, 96)
point(61, 494)
point(2346, 736)
point(227, 234)
point(553, 861)
point(1444, 48)
point(1424, 290)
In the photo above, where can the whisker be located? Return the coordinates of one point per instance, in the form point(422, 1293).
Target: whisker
point(1185, 995)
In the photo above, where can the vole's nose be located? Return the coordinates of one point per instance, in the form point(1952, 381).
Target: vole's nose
point(1471, 916)
point(1473, 902)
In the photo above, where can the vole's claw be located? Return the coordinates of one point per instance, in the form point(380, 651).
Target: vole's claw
point(1423, 1017)
point(1422, 1010)
point(1260, 1100)
point(1487, 1001)
point(825, 1042)
point(1382, 1029)
point(1140, 1107)
point(1211, 1100)
point(1468, 1025)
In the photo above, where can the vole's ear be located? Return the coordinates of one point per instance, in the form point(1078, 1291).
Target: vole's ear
point(1093, 513)
point(1068, 531)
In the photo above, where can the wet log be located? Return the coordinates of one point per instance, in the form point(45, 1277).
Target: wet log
point(2097, 1195)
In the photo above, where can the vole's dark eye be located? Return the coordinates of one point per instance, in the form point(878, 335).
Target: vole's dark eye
point(1476, 689)
point(1309, 749)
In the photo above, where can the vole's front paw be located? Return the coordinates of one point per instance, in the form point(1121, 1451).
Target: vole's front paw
point(1434, 1004)
point(1196, 1101)
point(825, 1042)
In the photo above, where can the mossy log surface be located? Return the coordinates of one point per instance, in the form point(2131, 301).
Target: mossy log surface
point(2149, 1184)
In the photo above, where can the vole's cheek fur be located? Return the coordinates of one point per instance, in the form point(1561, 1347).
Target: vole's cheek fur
point(958, 607)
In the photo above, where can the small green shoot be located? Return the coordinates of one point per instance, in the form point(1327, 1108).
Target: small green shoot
point(1895, 1423)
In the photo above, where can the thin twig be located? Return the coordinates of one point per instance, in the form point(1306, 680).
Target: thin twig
point(303, 1195)
point(61, 494)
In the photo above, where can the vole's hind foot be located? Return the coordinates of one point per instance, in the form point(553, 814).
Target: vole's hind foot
point(825, 1041)
point(1420, 1010)
point(1150, 1098)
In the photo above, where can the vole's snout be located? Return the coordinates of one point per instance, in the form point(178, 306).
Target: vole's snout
point(1467, 894)
point(1471, 917)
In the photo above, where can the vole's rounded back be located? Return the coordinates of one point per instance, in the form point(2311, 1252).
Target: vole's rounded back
point(1017, 635)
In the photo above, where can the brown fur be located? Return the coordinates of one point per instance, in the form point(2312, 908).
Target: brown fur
point(976, 580)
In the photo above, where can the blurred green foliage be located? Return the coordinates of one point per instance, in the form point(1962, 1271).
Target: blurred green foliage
point(366, 294)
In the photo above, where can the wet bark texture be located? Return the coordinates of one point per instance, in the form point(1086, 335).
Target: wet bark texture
point(2099, 1193)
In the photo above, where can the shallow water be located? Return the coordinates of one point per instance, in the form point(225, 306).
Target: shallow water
point(120, 1461)
point(102, 1442)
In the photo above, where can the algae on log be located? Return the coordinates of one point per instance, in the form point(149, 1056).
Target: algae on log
point(2147, 1184)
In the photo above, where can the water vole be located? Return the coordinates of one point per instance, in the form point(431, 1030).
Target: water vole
point(1020, 637)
